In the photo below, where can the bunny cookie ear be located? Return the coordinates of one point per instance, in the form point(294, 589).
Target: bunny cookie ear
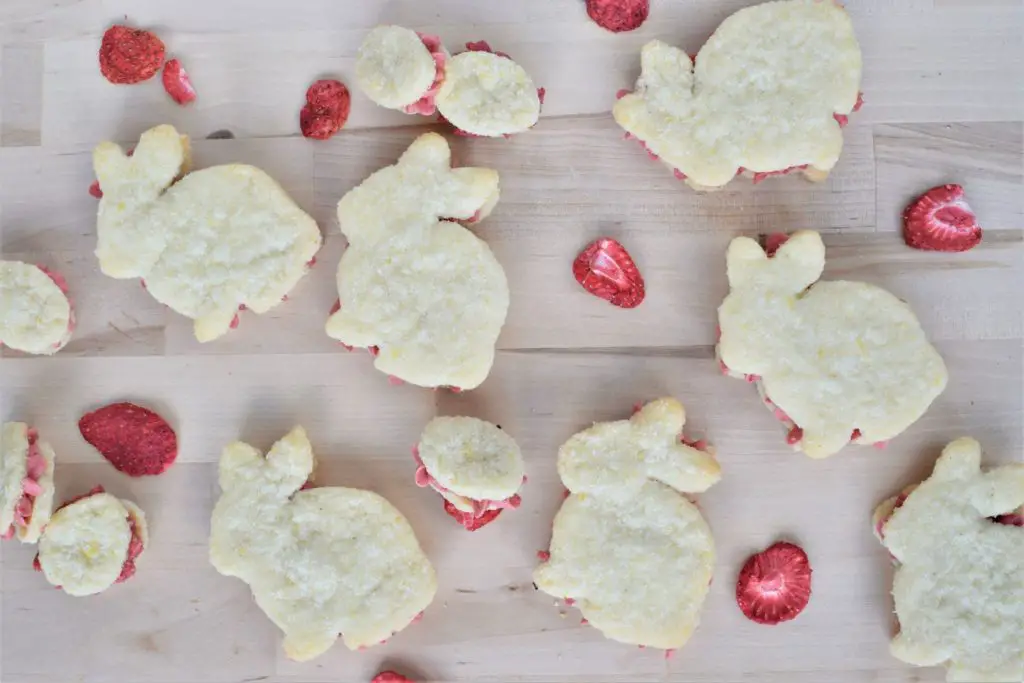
point(285, 468)
point(127, 247)
point(617, 459)
point(161, 155)
point(683, 467)
point(461, 192)
point(796, 265)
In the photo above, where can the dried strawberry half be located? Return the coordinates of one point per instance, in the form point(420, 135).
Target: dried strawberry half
point(130, 55)
point(177, 83)
point(327, 107)
point(135, 440)
point(941, 220)
point(618, 15)
point(467, 520)
point(775, 584)
point(606, 270)
point(390, 677)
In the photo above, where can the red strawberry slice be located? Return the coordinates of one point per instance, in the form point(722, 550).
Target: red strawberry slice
point(606, 270)
point(618, 15)
point(775, 584)
point(390, 677)
point(177, 83)
point(941, 220)
point(467, 520)
point(135, 440)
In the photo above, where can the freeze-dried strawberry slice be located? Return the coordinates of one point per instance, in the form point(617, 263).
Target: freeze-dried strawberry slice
point(327, 107)
point(129, 55)
point(775, 584)
point(390, 677)
point(618, 15)
point(133, 439)
point(177, 83)
point(941, 220)
point(606, 270)
point(467, 519)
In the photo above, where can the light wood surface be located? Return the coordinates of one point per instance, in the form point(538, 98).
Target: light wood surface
point(944, 93)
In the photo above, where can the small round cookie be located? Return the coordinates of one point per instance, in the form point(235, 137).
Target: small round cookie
point(633, 553)
point(320, 561)
point(89, 542)
point(837, 361)
point(488, 95)
point(26, 477)
point(473, 464)
point(395, 66)
point(35, 313)
point(959, 555)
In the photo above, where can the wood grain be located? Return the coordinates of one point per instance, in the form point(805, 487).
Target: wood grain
point(944, 103)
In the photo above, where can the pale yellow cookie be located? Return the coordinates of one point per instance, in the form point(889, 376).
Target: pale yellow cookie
point(958, 590)
point(321, 562)
point(466, 459)
point(218, 239)
point(762, 95)
point(428, 293)
point(627, 546)
point(488, 95)
point(394, 67)
point(26, 477)
point(84, 547)
point(35, 313)
point(833, 356)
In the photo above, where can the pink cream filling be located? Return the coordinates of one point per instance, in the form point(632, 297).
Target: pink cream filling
point(62, 285)
point(425, 479)
point(35, 465)
point(425, 105)
point(758, 176)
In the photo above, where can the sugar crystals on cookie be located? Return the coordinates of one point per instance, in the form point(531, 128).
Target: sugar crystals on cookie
point(320, 561)
point(957, 588)
point(414, 285)
point(768, 93)
point(36, 315)
point(835, 361)
point(627, 547)
point(207, 245)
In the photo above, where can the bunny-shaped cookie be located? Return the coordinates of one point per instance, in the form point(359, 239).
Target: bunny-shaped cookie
point(206, 245)
point(421, 289)
point(626, 546)
point(838, 361)
point(768, 93)
point(958, 586)
point(321, 561)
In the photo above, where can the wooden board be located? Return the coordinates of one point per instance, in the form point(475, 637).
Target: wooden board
point(945, 103)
